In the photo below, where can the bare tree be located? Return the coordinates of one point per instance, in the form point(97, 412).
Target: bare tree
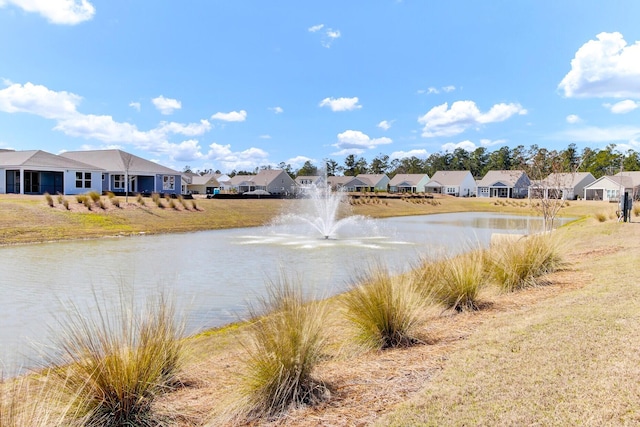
point(552, 184)
point(127, 161)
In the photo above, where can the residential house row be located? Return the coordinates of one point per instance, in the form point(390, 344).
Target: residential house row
point(78, 172)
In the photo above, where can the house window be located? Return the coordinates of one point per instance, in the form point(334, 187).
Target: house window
point(484, 190)
point(451, 190)
point(118, 182)
point(83, 179)
point(168, 182)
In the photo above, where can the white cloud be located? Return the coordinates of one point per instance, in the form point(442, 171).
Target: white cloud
point(465, 145)
point(573, 119)
point(622, 107)
point(356, 142)
point(442, 121)
point(233, 116)
point(385, 125)
point(490, 143)
point(277, 110)
point(341, 104)
point(434, 90)
point(298, 161)
point(191, 129)
point(185, 151)
point(265, 136)
point(135, 105)
point(5, 81)
point(166, 106)
point(66, 12)
point(449, 88)
point(329, 35)
point(420, 153)
point(240, 160)
point(600, 134)
point(38, 100)
point(606, 67)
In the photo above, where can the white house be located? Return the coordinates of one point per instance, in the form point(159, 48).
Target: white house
point(566, 186)
point(454, 183)
point(202, 184)
point(39, 172)
point(408, 183)
point(608, 188)
point(513, 184)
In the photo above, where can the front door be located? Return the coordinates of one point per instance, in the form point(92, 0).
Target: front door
point(32, 182)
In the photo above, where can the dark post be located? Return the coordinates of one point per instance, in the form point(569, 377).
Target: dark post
point(626, 207)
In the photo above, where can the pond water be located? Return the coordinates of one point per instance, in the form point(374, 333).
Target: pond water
point(212, 274)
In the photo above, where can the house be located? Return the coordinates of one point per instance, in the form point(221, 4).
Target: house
point(565, 186)
point(275, 181)
point(408, 183)
point(635, 181)
point(202, 184)
point(144, 176)
point(338, 183)
point(305, 181)
point(39, 172)
point(513, 184)
point(454, 183)
point(608, 188)
point(369, 182)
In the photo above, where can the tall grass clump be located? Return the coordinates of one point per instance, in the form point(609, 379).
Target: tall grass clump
point(115, 201)
point(285, 344)
point(385, 310)
point(94, 196)
point(522, 263)
point(114, 364)
point(140, 200)
point(600, 216)
point(49, 199)
point(454, 282)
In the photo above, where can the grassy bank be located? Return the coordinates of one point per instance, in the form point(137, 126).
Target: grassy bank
point(559, 354)
point(28, 219)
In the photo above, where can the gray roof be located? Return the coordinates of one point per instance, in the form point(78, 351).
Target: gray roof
point(239, 179)
point(450, 178)
point(203, 179)
point(408, 178)
point(507, 177)
point(634, 175)
point(39, 159)
point(374, 179)
point(565, 180)
point(115, 161)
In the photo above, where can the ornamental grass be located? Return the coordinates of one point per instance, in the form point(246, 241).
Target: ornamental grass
point(285, 343)
point(114, 364)
point(523, 263)
point(385, 310)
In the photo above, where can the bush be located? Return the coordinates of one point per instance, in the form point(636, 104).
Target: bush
point(115, 201)
point(600, 216)
point(49, 199)
point(94, 196)
point(114, 365)
point(385, 310)
point(456, 281)
point(519, 264)
point(140, 200)
point(285, 345)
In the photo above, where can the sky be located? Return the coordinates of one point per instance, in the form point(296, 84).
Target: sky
point(235, 85)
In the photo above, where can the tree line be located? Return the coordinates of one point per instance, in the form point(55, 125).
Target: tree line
point(535, 160)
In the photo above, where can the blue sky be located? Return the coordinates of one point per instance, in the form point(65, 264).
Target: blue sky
point(245, 83)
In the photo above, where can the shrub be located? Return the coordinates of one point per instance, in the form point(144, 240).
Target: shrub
point(94, 196)
point(80, 198)
point(194, 205)
point(636, 210)
point(87, 202)
point(285, 345)
point(172, 203)
point(600, 216)
point(385, 310)
point(140, 200)
point(102, 204)
point(65, 203)
point(456, 281)
point(60, 198)
point(115, 364)
point(49, 199)
point(519, 264)
point(115, 201)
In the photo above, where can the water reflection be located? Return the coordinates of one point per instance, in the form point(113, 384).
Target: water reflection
point(212, 273)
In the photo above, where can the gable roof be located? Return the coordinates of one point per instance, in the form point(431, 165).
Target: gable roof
point(117, 161)
point(623, 181)
point(566, 180)
point(634, 175)
point(269, 175)
point(41, 159)
point(239, 179)
point(336, 181)
point(372, 179)
point(450, 178)
point(504, 178)
point(203, 180)
point(407, 179)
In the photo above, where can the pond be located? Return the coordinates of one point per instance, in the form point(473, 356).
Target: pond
point(212, 274)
